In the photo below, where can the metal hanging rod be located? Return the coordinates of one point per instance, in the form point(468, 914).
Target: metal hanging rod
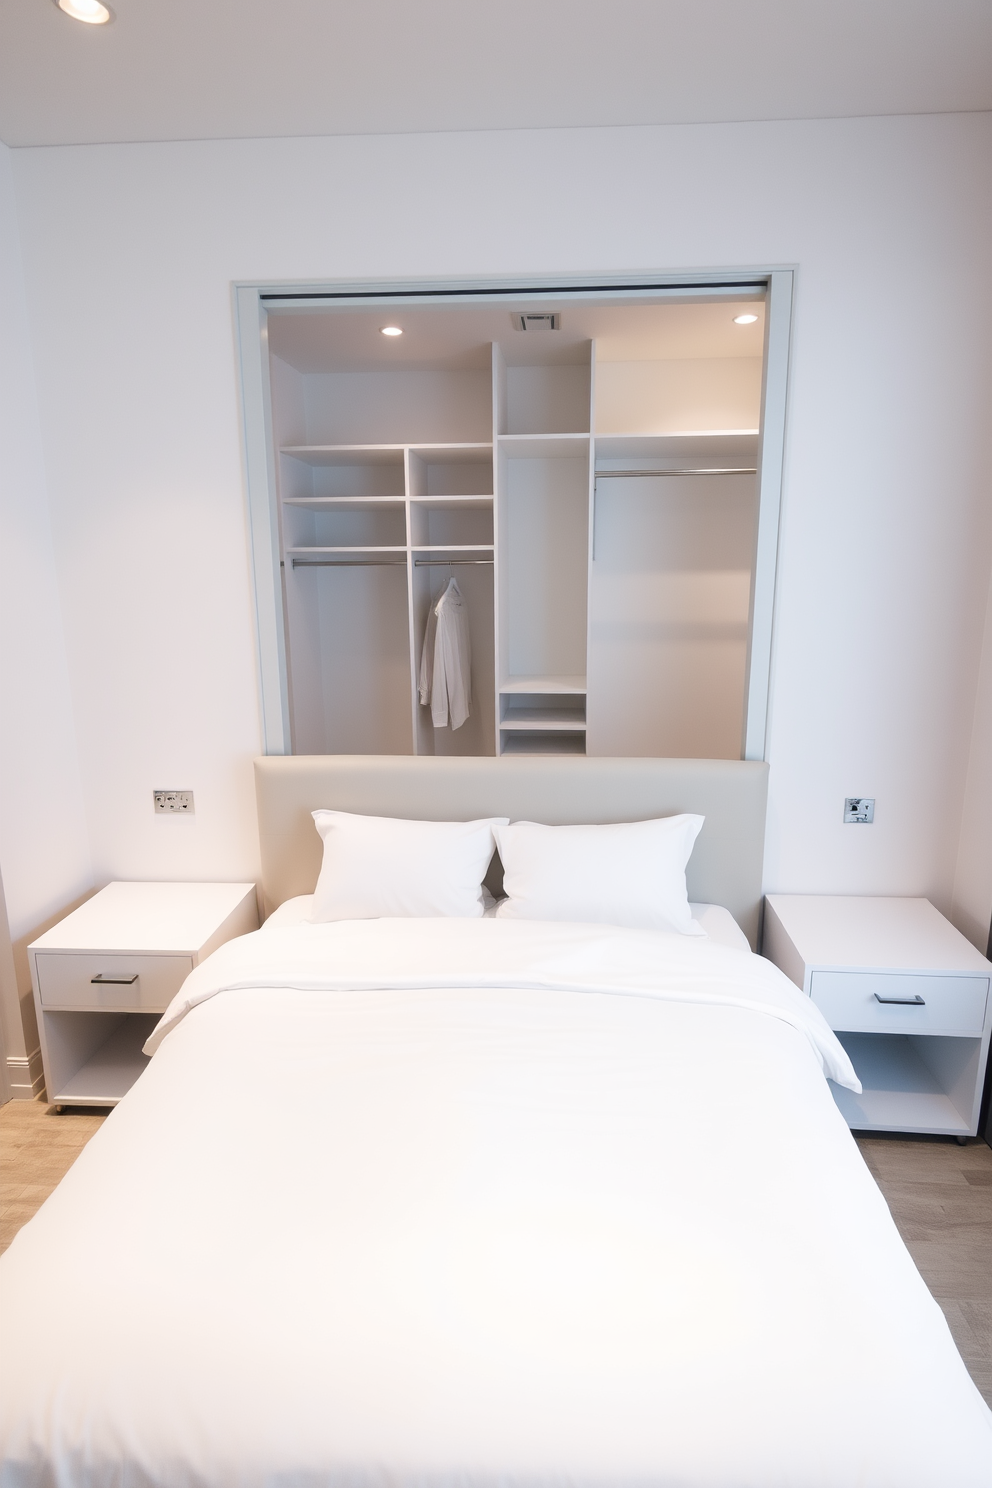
point(646, 474)
point(448, 562)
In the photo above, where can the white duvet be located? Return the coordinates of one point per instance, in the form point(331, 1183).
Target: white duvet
point(418, 1203)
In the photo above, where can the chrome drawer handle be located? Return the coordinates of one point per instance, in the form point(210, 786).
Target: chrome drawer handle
point(104, 981)
point(916, 1001)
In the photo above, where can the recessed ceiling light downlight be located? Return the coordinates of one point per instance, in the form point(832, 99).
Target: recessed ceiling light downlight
point(391, 330)
point(90, 11)
point(745, 319)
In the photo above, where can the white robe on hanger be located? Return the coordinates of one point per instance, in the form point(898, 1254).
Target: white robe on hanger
point(446, 660)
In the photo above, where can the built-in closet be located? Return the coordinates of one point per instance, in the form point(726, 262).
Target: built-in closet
point(587, 471)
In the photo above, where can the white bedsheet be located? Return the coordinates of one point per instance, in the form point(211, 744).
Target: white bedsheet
point(355, 1229)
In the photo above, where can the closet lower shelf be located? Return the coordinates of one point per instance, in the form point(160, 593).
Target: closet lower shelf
point(535, 741)
point(553, 720)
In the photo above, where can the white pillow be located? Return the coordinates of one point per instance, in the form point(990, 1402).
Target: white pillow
point(378, 866)
point(630, 873)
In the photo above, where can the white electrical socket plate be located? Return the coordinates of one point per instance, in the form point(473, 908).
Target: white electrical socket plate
point(173, 800)
point(859, 809)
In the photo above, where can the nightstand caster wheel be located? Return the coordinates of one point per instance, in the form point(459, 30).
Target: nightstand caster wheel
point(58, 1110)
point(961, 1141)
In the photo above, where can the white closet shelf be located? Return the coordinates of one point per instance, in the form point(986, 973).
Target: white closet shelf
point(452, 547)
point(452, 454)
point(545, 446)
point(562, 719)
point(350, 549)
point(704, 445)
point(538, 743)
point(342, 503)
point(576, 684)
point(346, 454)
point(453, 502)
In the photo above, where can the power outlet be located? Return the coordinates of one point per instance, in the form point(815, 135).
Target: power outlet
point(859, 809)
point(170, 801)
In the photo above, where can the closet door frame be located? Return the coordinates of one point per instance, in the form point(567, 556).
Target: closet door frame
point(252, 303)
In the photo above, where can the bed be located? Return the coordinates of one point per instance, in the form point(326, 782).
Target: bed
point(482, 1201)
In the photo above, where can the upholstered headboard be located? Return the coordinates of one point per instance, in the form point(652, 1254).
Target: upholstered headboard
point(725, 867)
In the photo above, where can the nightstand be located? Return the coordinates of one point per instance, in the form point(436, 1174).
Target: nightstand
point(908, 997)
point(104, 974)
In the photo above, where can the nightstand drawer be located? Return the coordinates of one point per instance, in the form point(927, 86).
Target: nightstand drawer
point(103, 983)
point(885, 1002)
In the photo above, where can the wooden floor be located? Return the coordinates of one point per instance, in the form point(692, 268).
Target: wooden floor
point(940, 1196)
point(37, 1149)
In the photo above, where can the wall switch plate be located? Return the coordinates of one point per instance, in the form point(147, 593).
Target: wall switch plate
point(174, 801)
point(859, 809)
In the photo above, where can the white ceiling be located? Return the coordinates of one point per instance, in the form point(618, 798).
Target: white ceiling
point(350, 339)
point(217, 69)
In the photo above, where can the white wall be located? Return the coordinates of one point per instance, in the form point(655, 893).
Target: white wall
point(671, 397)
point(130, 254)
point(44, 848)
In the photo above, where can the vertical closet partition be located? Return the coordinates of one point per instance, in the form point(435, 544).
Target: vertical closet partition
point(599, 512)
point(543, 421)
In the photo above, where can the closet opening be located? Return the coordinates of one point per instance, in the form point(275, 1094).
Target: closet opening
point(602, 492)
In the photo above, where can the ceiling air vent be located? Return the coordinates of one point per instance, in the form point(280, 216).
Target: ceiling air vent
point(536, 320)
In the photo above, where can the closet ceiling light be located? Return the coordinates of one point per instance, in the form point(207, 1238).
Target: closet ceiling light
point(90, 11)
point(744, 319)
point(391, 330)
